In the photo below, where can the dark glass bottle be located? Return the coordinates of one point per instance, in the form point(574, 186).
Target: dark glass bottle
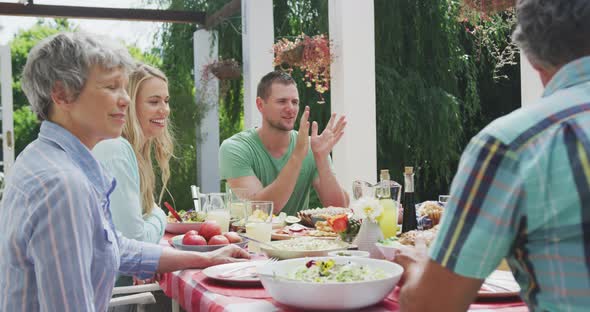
point(409, 222)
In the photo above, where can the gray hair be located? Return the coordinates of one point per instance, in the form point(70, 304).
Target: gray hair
point(553, 32)
point(67, 58)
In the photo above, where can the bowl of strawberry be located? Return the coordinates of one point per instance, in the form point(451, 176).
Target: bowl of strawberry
point(209, 237)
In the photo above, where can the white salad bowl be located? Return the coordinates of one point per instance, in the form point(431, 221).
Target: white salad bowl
point(275, 278)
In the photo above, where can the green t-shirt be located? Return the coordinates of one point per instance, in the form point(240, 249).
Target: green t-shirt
point(244, 155)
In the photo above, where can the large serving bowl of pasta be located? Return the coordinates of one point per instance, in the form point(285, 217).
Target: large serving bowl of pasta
point(302, 247)
point(330, 283)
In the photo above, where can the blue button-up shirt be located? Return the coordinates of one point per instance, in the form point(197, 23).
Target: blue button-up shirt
point(58, 247)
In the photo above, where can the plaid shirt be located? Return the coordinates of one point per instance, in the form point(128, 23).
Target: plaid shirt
point(522, 192)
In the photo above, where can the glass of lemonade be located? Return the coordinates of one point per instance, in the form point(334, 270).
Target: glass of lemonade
point(258, 222)
point(237, 201)
point(218, 210)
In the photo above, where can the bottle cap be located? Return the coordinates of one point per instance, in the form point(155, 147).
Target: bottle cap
point(384, 174)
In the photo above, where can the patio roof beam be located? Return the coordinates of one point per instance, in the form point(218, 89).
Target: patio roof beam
point(228, 10)
point(146, 15)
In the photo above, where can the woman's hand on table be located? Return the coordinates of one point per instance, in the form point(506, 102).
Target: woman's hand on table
point(173, 259)
point(228, 254)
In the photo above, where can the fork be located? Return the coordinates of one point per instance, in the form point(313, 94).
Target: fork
point(231, 272)
point(257, 241)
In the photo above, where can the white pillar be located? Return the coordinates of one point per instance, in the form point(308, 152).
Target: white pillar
point(7, 107)
point(207, 98)
point(352, 31)
point(257, 40)
point(531, 87)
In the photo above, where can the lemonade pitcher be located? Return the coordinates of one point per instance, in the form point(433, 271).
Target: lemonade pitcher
point(217, 209)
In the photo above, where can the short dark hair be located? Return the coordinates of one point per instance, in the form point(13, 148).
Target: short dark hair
point(277, 76)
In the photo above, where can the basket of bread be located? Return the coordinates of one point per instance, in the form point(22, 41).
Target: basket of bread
point(429, 214)
point(309, 217)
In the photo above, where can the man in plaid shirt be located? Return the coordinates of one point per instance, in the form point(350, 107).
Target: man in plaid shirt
point(522, 189)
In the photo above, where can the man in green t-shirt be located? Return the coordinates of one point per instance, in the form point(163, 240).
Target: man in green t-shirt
point(275, 162)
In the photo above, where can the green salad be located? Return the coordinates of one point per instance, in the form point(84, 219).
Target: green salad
point(329, 271)
point(390, 241)
point(188, 216)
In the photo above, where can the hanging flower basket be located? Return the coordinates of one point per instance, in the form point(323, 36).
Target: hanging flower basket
point(311, 55)
point(223, 69)
point(490, 6)
point(293, 56)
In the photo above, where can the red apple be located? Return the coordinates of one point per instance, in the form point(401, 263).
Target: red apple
point(218, 240)
point(209, 229)
point(193, 240)
point(232, 237)
point(192, 232)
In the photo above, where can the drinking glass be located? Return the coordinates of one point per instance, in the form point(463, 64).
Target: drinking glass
point(362, 189)
point(218, 210)
point(237, 200)
point(258, 222)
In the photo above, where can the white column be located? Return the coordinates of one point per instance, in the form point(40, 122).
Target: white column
point(207, 98)
point(257, 40)
point(531, 87)
point(7, 107)
point(352, 31)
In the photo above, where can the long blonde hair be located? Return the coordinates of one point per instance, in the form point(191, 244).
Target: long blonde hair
point(163, 145)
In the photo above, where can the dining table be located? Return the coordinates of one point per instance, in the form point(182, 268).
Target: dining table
point(193, 291)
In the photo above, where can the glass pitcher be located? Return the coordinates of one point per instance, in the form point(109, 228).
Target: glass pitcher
point(217, 209)
point(366, 189)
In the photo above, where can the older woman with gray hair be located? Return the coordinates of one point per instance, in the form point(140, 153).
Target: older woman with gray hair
point(522, 189)
point(60, 251)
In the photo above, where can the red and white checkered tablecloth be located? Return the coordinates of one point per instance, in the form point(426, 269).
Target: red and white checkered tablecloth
point(183, 287)
point(192, 296)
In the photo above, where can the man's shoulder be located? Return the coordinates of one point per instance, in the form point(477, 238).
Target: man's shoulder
point(528, 121)
point(241, 140)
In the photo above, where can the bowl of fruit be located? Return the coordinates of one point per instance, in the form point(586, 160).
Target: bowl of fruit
point(207, 238)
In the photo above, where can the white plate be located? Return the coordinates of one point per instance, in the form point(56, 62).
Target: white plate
point(499, 284)
point(237, 277)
